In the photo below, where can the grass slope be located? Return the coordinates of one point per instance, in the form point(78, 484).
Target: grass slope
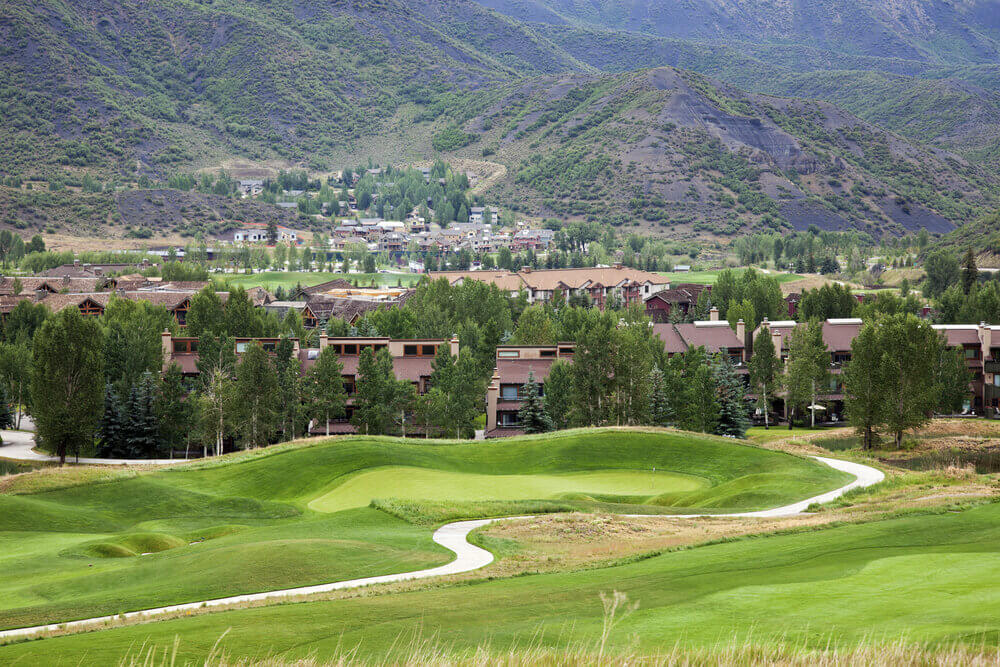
point(289, 279)
point(921, 579)
point(244, 524)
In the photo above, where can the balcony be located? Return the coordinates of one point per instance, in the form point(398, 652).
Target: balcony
point(991, 367)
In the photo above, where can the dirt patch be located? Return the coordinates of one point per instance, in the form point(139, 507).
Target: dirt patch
point(812, 282)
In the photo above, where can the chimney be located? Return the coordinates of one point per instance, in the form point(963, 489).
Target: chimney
point(985, 339)
point(492, 396)
point(741, 331)
point(324, 340)
point(166, 342)
point(617, 265)
point(776, 341)
point(713, 314)
point(925, 312)
point(525, 269)
point(76, 262)
point(453, 344)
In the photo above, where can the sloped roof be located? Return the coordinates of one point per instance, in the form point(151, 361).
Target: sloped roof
point(515, 371)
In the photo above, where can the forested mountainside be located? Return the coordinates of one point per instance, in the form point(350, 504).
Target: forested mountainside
point(132, 89)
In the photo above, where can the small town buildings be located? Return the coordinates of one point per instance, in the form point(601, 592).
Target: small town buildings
point(514, 364)
point(600, 284)
point(675, 299)
point(256, 232)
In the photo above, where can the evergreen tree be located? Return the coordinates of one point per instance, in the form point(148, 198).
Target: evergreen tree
point(732, 418)
point(173, 410)
point(109, 430)
point(532, 415)
point(970, 272)
point(660, 410)
point(6, 411)
point(141, 430)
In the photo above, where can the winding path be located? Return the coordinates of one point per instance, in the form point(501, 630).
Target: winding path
point(20, 446)
point(454, 537)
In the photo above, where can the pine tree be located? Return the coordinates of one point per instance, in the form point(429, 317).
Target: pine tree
point(660, 411)
point(733, 419)
point(141, 432)
point(6, 411)
point(109, 431)
point(532, 415)
point(970, 272)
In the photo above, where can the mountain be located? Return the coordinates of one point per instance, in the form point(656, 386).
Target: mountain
point(948, 33)
point(672, 151)
point(129, 89)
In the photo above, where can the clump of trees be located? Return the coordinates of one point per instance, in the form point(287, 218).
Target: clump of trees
point(900, 373)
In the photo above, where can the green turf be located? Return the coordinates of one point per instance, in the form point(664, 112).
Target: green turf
point(438, 485)
point(244, 524)
point(921, 579)
point(710, 277)
point(287, 279)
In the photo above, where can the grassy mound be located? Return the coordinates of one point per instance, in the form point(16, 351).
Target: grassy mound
point(255, 523)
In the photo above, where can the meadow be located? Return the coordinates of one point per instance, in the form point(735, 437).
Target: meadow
point(76, 545)
point(710, 277)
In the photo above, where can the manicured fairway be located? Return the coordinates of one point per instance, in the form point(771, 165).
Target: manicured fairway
point(425, 484)
point(287, 279)
point(245, 524)
point(923, 579)
point(710, 277)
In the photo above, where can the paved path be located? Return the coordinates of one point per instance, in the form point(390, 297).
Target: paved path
point(19, 446)
point(452, 536)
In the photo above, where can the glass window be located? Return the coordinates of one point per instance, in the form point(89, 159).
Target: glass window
point(241, 348)
point(971, 353)
point(409, 350)
point(508, 354)
point(428, 350)
point(547, 353)
point(350, 349)
point(509, 392)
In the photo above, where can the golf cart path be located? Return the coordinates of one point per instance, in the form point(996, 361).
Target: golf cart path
point(452, 536)
point(20, 446)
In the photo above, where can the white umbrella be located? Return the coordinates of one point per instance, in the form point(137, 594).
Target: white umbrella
point(816, 407)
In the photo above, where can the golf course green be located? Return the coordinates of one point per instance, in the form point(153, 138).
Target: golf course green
point(408, 483)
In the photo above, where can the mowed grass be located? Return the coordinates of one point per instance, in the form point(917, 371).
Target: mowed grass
point(287, 279)
point(244, 524)
point(710, 277)
point(407, 483)
point(924, 580)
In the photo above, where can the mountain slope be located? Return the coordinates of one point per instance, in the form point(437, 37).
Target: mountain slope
point(674, 152)
point(126, 85)
point(926, 30)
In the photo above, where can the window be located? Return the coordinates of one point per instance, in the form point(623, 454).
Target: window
point(241, 347)
point(996, 379)
point(312, 354)
point(269, 346)
point(547, 353)
point(428, 350)
point(508, 354)
point(971, 353)
point(409, 350)
point(509, 392)
point(565, 352)
point(350, 348)
point(508, 419)
point(185, 346)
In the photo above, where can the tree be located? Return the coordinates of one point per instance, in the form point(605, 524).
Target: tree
point(6, 245)
point(954, 376)
point(864, 389)
point(910, 356)
point(23, 321)
point(240, 317)
point(808, 367)
point(970, 273)
point(15, 374)
point(696, 406)
point(454, 399)
point(559, 394)
point(534, 327)
point(140, 431)
point(942, 271)
point(765, 371)
point(288, 370)
point(216, 361)
point(380, 397)
point(205, 314)
point(173, 411)
point(110, 430)
point(532, 415)
point(732, 420)
point(272, 232)
point(323, 390)
point(660, 410)
point(255, 413)
point(67, 381)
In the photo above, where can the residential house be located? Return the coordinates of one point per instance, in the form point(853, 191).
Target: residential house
point(675, 299)
point(514, 364)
